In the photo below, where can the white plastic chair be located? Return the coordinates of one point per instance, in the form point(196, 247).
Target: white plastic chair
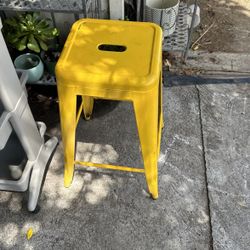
point(24, 155)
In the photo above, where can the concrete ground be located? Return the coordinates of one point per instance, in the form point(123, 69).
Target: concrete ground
point(204, 198)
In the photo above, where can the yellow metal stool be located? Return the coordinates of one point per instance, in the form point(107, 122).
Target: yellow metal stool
point(116, 60)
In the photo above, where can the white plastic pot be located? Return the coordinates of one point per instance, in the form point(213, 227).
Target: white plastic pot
point(164, 13)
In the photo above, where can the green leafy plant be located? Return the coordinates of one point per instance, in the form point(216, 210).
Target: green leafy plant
point(30, 31)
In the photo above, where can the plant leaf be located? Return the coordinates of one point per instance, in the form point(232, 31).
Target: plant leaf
point(35, 16)
point(23, 27)
point(28, 17)
point(11, 39)
point(32, 44)
point(51, 32)
point(42, 24)
point(21, 19)
point(21, 45)
point(55, 32)
point(11, 21)
point(43, 45)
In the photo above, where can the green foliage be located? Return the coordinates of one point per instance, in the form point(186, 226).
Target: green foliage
point(30, 31)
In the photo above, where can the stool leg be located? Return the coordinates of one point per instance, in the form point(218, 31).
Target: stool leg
point(67, 104)
point(161, 118)
point(161, 107)
point(88, 104)
point(146, 113)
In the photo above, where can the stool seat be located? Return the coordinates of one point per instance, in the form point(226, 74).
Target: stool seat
point(100, 54)
point(116, 60)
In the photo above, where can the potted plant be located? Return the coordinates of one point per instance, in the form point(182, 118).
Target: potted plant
point(29, 32)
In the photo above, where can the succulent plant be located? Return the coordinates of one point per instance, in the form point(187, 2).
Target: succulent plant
point(29, 30)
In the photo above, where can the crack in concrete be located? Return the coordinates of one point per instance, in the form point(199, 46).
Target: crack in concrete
point(205, 167)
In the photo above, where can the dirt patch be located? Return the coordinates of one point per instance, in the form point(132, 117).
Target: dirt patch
point(231, 29)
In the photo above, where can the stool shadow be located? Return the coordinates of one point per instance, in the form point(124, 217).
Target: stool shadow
point(102, 107)
point(112, 137)
point(171, 79)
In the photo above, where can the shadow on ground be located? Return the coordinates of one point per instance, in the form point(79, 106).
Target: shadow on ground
point(112, 210)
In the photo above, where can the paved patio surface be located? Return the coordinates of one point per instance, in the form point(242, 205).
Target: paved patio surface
point(204, 198)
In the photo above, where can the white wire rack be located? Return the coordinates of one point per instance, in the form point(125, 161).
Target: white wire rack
point(85, 7)
point(178, 40)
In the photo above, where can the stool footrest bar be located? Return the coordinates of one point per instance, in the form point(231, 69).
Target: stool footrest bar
point(107, 166)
